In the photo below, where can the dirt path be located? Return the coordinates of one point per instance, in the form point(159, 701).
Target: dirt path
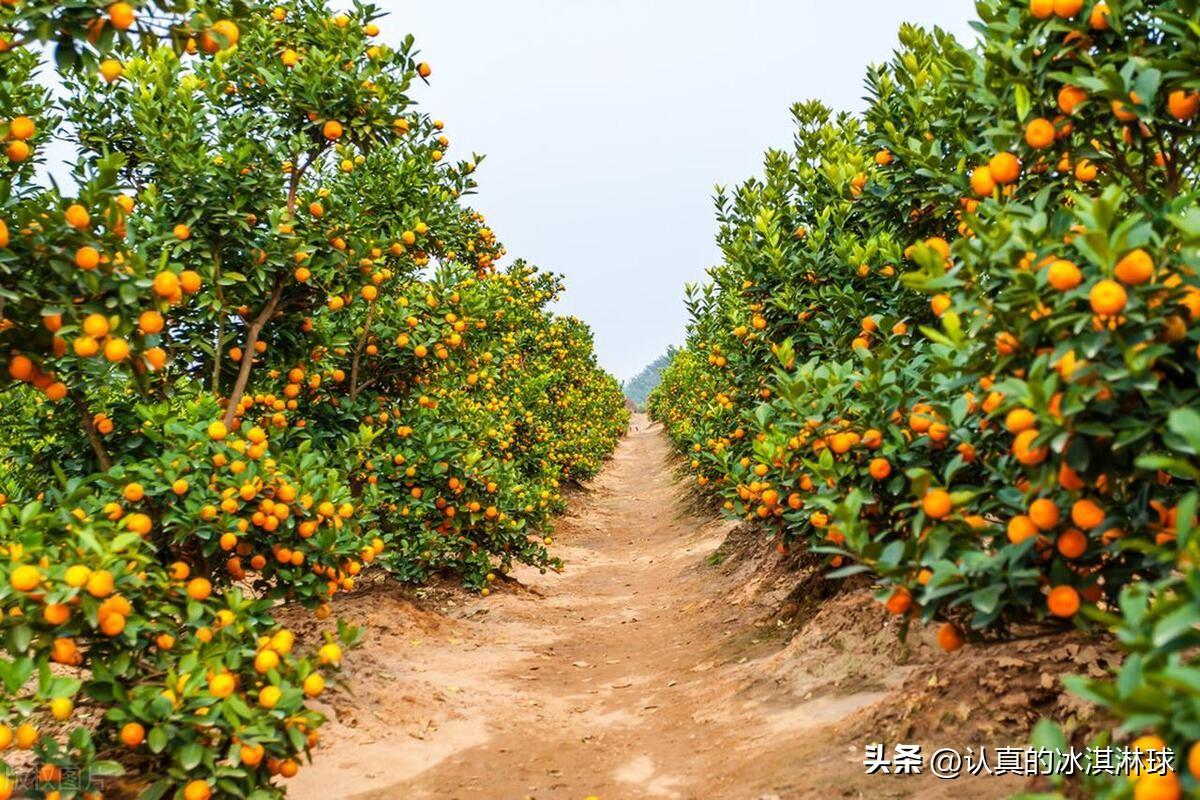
point(627, 676)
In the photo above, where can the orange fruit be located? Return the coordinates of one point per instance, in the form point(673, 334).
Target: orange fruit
point(150, 322)
point(1044, 513)
point(199, 588)
point(1069, 98)
point(1004, 168)
point(1024, 450)
point(949, 637)
point(1071, 543)
point(121, 16)
point(100, 583)
point(936, 503)
point(116, 349)
point(1039, 133)
point(1108, 298)
point(900, 601)
point(95, 325)
point(1135, 268)
point(1183, 105)
point(1063, 601)
point(1063, 275)
point(77, 216)
point(197, 790)
point(982, 181)
point(1041, 9)
point(1021, 528)
point(332, 130)
point(21, 368)
point(166, 284)
point(880, 468)
point(132, 734)
point(25, 578)
point(1153, 786)
point(21, 128)
point(1087, 514)
point(87, 257)
point(1066, 9)
point(1019, 419)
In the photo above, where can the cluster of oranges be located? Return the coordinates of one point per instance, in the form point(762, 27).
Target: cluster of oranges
point(1020, 444)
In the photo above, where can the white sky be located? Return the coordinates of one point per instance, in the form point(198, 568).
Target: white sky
point(607, 124)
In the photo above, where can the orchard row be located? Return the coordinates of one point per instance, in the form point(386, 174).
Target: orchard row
point(954, 344)
point(260, 346)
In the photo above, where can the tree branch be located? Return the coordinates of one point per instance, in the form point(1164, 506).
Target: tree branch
point(239, 386)
point(362, 341)
point(92, 434)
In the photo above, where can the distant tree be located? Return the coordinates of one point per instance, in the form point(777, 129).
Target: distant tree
point(638, 387)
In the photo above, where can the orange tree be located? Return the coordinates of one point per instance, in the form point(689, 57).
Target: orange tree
point(1003, 431)
point(264, 294)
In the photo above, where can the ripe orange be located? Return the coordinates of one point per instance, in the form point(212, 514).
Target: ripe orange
point(880, 468)
point(1153, 786)
point(25, 578)
point(982, 181)
point(100, 583)
point(21, 128)
point(132, 734)
point(1108, 298)
point(314, 684)
point(1071, 543)
point(1063, 601)
point(121, 16)
point(1044, 513)
point(1087, 514)
point(900, 601)
point(1135, 268)
point(1041, 9)
point(116, 349)
point(1021, 528)
point(949, 637)
point(1004, 168)
point(1039, 133)
point(197, 790)
point(150, 322)
point(1183, 105)
point(1069, 98)
point(77, 216)
point(166, 284)
point(199, 588)
point(182, 232)
point(21, 368)
point(1066, 9)
point(936, 503)
point(87, 257)
point(332, 130)
point(1024, 450)
point(1019, 419)
point(95, 325)
point(1063, 275)
point(111, 69)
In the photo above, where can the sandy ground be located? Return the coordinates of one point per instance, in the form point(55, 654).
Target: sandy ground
point(636, 673)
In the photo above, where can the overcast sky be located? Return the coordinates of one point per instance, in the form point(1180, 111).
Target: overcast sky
point(607, 124)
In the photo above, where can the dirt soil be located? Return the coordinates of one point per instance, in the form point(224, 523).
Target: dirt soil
point(675, 657)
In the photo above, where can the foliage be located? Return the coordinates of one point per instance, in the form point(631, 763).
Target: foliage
point(260, 346)
point(953, 341)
